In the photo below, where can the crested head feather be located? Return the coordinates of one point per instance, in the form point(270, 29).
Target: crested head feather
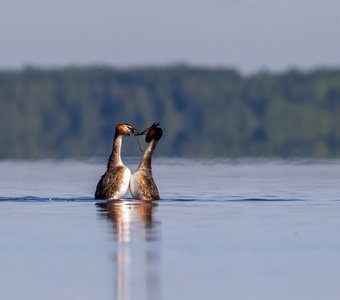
point(153, 133)
point(124, 129)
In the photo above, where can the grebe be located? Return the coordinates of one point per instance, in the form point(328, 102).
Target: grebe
point(142, 185)
point(115, 182)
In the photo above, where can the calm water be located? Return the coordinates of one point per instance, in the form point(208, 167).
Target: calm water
point(224, 230)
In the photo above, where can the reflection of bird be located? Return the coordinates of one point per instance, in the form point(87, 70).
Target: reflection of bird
point(123, 213)
point(142, 185)
point(136, 250)
point(115, 182)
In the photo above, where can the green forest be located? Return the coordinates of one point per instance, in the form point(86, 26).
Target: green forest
point(204, 112)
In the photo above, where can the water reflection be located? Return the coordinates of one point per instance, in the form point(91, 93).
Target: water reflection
point(137, 255)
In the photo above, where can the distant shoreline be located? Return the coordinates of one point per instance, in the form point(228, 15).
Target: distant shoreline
point(205, 112)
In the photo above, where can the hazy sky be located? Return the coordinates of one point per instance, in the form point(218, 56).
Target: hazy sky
point(247, 34)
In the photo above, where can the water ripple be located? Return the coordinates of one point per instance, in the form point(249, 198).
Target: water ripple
point(44, 199)
point(165, 200)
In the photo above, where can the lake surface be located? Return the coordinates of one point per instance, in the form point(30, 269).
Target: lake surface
point(225, 229)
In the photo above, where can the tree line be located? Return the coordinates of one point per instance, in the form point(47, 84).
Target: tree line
point(71, 112)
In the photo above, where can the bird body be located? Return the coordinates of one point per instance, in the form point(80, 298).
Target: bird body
point(115, 182)
point(143, 187)
point(142, 184)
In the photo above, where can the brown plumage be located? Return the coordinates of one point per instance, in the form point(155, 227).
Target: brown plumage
point(142, 184)
point(115, 181)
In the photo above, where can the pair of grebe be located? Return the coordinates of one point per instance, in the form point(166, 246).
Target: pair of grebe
point(117, 179)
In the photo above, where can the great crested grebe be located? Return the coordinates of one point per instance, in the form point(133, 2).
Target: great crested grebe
point(115, 182)
point(142, 185)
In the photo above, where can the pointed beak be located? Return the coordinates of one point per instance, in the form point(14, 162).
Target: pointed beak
point(145, 130)
point(135, 132)
point(138, 132)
